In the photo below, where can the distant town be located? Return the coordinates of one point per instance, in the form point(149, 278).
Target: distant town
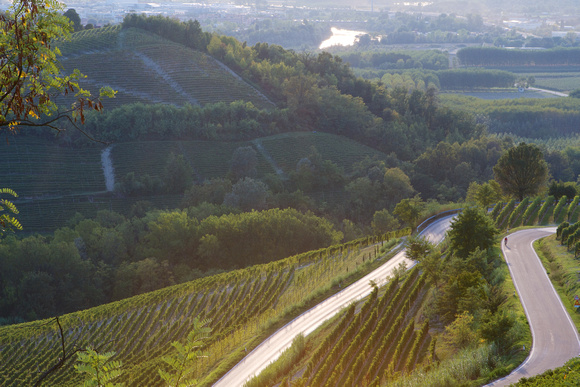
point(216, 15)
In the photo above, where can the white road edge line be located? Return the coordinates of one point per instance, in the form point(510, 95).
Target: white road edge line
point(524, 304)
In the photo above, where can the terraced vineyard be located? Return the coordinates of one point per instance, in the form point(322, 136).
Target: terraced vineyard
point(373, 345)
point(242, 305)
point(104, 38)
point(146, 68)
point(531, 212)
point(34, 168)
point(40, 169)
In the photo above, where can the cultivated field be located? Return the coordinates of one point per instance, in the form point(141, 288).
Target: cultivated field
point(144, 67)
point(243, 305)
point(55, 182)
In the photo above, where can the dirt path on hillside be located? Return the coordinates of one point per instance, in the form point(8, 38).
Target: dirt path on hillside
point(152, 65)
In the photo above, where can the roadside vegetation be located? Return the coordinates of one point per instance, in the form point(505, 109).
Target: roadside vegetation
point(450, 320)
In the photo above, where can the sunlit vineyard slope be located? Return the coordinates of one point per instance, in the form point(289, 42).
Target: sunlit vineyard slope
point(146, 68)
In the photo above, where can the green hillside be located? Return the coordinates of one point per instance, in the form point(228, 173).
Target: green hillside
point(144, 67)
point(35, 169)
point(209, 159)
point(56, 182)
point(244, 305)
point(287, 149)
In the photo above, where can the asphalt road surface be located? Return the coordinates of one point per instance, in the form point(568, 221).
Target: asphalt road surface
point(555, 338)
point(307, 322)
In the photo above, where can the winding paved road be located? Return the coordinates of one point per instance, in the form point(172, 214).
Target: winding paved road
point(307, 322)
point(555, 338)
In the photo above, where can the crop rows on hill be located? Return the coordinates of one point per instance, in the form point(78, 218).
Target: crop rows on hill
point(104, 38)
point(240, 303)
point(131, 75)
point(573, 210)
point(546, 210)
point(535, 212)
point(504, 214)
point(143, 67)
point(68, 180)
point(560, 210)
point(531, 214)
point(202, 76)
point(515, 218)
point(374, 344)
point(31, 171)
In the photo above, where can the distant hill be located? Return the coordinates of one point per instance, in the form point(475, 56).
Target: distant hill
point(144, 67)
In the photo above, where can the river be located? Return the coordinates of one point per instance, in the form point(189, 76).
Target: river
point(341, 37)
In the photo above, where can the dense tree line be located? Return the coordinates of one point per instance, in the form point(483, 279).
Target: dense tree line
point(492, 56)
point(221, 122)
point(94, 261)
point(405, 28)
point(466, 79)
point(517, 40)
point(458, 79)
point(467, 293)
point(286, 34)
point(423, 59)
point(414, 79)
point(525, 117)
point(408, 122)
point(188, 33)
point(445, 171)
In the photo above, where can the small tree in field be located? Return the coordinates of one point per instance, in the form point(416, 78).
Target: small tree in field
point(417, 248)
point(471, 229)
point(100, 369)
point(521, 171)
point(180, 373)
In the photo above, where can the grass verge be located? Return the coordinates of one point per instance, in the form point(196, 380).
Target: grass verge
point(563, 270)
